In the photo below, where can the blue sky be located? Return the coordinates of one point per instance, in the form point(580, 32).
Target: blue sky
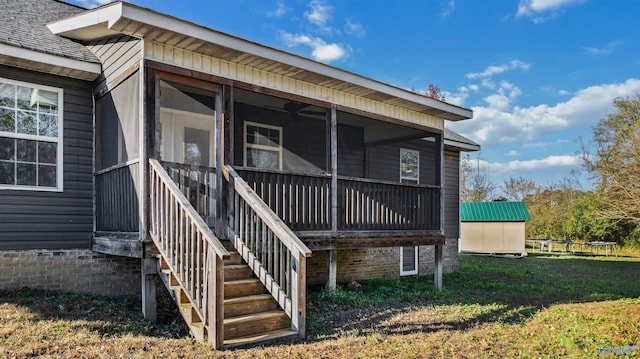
point(538, 74)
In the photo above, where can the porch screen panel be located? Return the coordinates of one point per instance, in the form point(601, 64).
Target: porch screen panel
point(118, 121)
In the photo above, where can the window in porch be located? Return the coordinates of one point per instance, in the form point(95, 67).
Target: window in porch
point(30, 136)
point(409, 166)
point(262, 146)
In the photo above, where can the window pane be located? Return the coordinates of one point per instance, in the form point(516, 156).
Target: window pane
point(7, 149)
point(7, 120)
point(48, 102)
point(26, 151)
point(7, 95)
point(27, 98)
point(263, 159)
point(47, 152)
point(26, 174)
point(26, 122)
point(47, 175)
point(408, 164)
point(48, 125)
point(7, 172)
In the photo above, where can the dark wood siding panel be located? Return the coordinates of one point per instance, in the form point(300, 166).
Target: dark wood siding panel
point(303, 138)
point(351, 155)
point(452, 194)
point(56, 220)
point(384, 161)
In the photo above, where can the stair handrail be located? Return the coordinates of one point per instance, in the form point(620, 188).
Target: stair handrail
point(283, 276)
point(191, 250)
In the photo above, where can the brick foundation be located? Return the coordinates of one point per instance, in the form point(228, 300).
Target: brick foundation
point(76, 270)
point(369, 263)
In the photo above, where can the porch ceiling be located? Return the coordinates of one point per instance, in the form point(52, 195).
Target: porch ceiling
point(124, 18)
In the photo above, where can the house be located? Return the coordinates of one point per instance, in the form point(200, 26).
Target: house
point(136, 145)
point(493, 227)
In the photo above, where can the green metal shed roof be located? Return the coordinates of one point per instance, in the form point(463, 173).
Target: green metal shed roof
point(494, 212)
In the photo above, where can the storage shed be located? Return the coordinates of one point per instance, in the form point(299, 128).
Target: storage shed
point(493, 227)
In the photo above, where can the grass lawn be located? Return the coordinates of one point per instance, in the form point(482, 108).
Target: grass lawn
point(539, 306)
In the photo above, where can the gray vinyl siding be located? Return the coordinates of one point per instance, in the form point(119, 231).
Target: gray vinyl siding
point(384, 161)
point(117, 55)
point(451, 193)
point(55, 220)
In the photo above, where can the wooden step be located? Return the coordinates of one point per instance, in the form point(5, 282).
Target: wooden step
point(242, 287)
point(235, 258)
point(248, 305)
point(189, 313)
point(259, 338)
point(257, 323)
point(237, 271)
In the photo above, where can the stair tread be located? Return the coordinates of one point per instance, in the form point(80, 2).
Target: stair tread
point(261, 337)
point(242, 281)
point(253, 317)
point(247, 298)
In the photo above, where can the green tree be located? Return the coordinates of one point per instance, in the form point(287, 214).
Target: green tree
point(475, 186)
point(516, 189)
point(614, 159)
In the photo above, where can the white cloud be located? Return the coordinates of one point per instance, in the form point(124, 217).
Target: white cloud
point(550, 163)
point(495, 70)
point(320, 14)
point(512, 153)
point(450, 7)
point(279, 11)
point(542, 10)
point(353, 28)
point(321, 51)
point(597, 51)
point(500, 122)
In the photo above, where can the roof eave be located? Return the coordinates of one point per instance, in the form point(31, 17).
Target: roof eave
point(110, 19)
point(54, 64)
point(463, 146)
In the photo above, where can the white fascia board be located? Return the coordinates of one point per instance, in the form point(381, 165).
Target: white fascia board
point(106, 15)
point(461, 145)
point(36, 56)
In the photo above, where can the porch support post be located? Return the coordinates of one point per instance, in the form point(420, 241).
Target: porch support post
point(437, 271)
point(221, 199)
point(334, 169)
point(149, 303)
point(332, 269)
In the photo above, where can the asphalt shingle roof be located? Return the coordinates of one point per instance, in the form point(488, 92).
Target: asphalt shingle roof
point(494, 212)
point(23, 24)
point(454, 136)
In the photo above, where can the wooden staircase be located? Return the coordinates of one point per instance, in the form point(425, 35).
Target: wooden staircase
point(228, 299)
point(250, 314)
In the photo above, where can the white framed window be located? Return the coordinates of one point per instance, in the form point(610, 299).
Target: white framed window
point(409, 166)
point(262, 146)
point(31, 155)
point(408, 260)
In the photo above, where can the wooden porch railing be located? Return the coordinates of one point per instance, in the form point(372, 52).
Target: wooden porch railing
point(117, 199)
point(197, 183)
point(365, 204)
point(276, 255)
point(193, 253)
point(303, 202)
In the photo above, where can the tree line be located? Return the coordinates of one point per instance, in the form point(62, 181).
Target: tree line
point(609, 212)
